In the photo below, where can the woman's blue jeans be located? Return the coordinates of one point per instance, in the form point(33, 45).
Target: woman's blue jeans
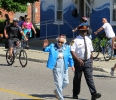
point(60, 77)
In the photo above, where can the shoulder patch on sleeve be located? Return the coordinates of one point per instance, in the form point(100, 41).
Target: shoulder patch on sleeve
point(72, 42)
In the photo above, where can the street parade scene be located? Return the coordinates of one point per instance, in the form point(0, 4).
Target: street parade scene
point(57, 49)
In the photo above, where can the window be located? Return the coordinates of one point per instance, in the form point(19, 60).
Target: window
point(59, 11)
point(87, 9)
point(114, 10)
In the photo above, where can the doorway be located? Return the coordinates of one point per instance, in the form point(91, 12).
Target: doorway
point(84, 9)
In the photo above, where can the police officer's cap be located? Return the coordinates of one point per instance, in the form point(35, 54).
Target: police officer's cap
point(82, 28)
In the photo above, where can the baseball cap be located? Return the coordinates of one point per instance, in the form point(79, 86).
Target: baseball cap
point(84, 18)
point(15, 20)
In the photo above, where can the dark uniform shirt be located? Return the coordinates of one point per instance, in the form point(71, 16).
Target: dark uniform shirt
point(14, 31)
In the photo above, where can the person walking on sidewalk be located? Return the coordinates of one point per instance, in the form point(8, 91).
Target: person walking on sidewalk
point(59, 58)
point(81, 49)
point(27, 26)
point(113, 47)
point(108, 30)
point(21, 21)
point(112, 70)
point(7, 20)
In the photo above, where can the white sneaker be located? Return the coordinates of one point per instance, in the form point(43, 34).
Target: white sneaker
point(55, 92)
point(112, 72)
point(112, 58)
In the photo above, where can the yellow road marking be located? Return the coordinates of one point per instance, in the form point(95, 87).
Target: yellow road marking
point(19, 94)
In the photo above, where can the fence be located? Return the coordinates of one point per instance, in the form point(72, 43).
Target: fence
point(48, 22)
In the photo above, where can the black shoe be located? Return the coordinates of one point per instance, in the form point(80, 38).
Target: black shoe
point(27, 47)
point(11, 59)
point(75, 97)
point(95, 96)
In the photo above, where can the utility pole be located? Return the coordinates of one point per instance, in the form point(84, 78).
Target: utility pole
point(33, 13)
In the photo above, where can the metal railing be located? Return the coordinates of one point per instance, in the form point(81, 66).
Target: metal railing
point(58, 23)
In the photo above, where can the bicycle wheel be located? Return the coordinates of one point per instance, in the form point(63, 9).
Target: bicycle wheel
point(96, 50)
point(107, 52)
point(10, 61)
point(23, 58)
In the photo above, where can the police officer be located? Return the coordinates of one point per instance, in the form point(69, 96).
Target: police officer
point(81, 50)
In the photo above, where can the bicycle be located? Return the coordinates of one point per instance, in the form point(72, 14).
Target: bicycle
point(18, 52)
point(102, 45)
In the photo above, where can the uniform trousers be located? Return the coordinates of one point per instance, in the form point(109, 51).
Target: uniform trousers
point(87, 70)
point(61, 80)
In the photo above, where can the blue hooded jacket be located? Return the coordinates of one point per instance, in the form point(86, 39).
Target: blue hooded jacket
point(53, 55)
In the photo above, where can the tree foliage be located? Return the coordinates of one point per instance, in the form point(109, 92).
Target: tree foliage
point(15, 5)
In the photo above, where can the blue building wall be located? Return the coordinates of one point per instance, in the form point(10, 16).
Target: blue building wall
point(52, 29)
point(99, 12)
point(96, 19)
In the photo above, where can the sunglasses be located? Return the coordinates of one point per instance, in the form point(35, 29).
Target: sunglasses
point(60, 42)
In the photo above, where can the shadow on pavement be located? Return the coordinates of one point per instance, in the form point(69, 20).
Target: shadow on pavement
point(4, 65)
point(101, 59)
point(47, 96)
point(103, 76)
point(72, 98)
point(25, 99)
point(51, 96)
point(44, 96)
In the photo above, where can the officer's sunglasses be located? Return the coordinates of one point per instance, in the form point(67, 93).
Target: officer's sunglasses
point(60, 42)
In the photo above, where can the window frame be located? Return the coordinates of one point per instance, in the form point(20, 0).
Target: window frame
point(113, 23)
point(55, 18)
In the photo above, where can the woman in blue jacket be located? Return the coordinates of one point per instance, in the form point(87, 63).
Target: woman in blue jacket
point(58, 61)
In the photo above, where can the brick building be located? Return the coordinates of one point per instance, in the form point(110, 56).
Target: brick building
point(3, 12)
point(33, 10)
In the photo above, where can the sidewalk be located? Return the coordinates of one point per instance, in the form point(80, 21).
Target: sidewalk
point(37, 55)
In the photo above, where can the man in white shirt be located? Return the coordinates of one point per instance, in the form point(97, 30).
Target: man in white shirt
point(81, 50)
point(108, 30)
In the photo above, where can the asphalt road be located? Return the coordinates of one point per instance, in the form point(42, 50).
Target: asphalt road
point(35, 81)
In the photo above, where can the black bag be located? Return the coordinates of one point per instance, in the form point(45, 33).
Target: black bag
point(89, 31)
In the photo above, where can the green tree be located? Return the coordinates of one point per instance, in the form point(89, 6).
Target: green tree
point(15, 5)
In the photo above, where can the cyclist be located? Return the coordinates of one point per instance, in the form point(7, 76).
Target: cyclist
point(108, 30)
point(13, 33)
